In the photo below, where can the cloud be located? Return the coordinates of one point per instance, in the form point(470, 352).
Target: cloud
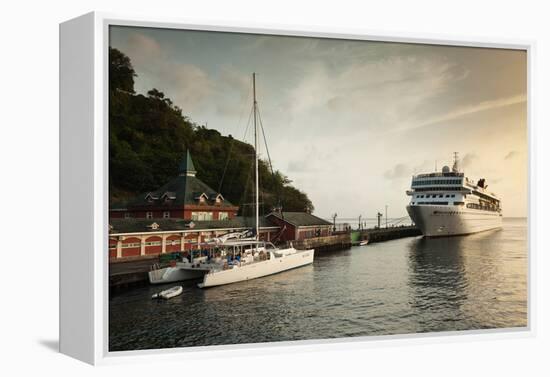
point(467, 110)
point(398, 171)
point(190, 85)
point(373, 94)
point(511, 155)
point(468, 160)
point(232, 80)
point(194, 88)
point(186, 84)
point(143, 48)
point(312, 161)
point(402, 170)
point(297, 167)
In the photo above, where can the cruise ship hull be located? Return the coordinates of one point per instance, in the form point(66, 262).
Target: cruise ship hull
point(440, 221)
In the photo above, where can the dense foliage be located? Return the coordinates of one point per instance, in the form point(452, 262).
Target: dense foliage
point(148, 136)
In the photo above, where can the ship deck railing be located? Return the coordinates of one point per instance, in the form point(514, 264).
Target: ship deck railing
point(439, 174)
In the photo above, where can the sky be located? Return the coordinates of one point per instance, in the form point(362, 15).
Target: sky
point(350, 122)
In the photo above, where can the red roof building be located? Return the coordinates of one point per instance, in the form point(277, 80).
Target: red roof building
point(297, 226)
point(184, 197)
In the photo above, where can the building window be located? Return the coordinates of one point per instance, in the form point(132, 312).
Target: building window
point(201, 216)
point(149, 215)
point(202, 198)
point(166, 214)
point(153, 243)
point(223, 216)
point(131, 245)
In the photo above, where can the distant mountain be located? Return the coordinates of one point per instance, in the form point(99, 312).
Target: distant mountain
point(148, 136)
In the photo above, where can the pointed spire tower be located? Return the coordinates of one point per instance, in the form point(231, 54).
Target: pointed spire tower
point(186, 167)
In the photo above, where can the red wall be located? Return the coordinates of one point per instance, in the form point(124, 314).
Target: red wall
point(171, 248)
point(272, 234)
point(288, 233)
point(112, 248)
point(190, 236)
point(151, 250)
point(133, 251)
point(311, 232)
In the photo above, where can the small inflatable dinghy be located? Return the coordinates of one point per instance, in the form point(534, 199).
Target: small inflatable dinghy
point(169, 293)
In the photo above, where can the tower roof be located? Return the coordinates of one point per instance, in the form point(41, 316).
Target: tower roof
point(186, 166)
point(184, 189)
point(300, 218)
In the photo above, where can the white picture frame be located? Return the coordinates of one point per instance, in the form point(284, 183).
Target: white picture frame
point(84, 178)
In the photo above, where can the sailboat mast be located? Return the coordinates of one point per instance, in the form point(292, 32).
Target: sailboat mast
point(257, 191)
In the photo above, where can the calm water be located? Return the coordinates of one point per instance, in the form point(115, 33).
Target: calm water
point(403, 286)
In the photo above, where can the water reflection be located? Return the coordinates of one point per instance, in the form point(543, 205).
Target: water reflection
point(456, 282)
point(437, 281)
point(402, 286)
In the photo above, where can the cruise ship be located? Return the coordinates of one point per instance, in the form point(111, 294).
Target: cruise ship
point(447, 203)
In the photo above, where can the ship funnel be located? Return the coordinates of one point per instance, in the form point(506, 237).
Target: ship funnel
point(455, 164)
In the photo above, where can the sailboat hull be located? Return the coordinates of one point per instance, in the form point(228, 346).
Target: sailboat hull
point(258, 269)
point(174, 274)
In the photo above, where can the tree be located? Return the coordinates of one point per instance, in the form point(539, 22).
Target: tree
point(121, 72)
point(154, 93)
point(148, 136)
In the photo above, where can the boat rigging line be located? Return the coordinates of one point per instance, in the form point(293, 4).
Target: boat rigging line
point(254, 112)
point(231, 147)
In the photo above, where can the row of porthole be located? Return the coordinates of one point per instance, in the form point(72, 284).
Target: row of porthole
point(437, 196)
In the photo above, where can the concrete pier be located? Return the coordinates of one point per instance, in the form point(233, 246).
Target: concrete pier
point(130, 271)
point(387, 234)
point(320, 244)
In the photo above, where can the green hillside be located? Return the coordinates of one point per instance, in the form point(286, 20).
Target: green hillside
point(148, 136)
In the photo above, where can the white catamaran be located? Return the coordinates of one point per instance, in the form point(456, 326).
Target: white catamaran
point(235, 257)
